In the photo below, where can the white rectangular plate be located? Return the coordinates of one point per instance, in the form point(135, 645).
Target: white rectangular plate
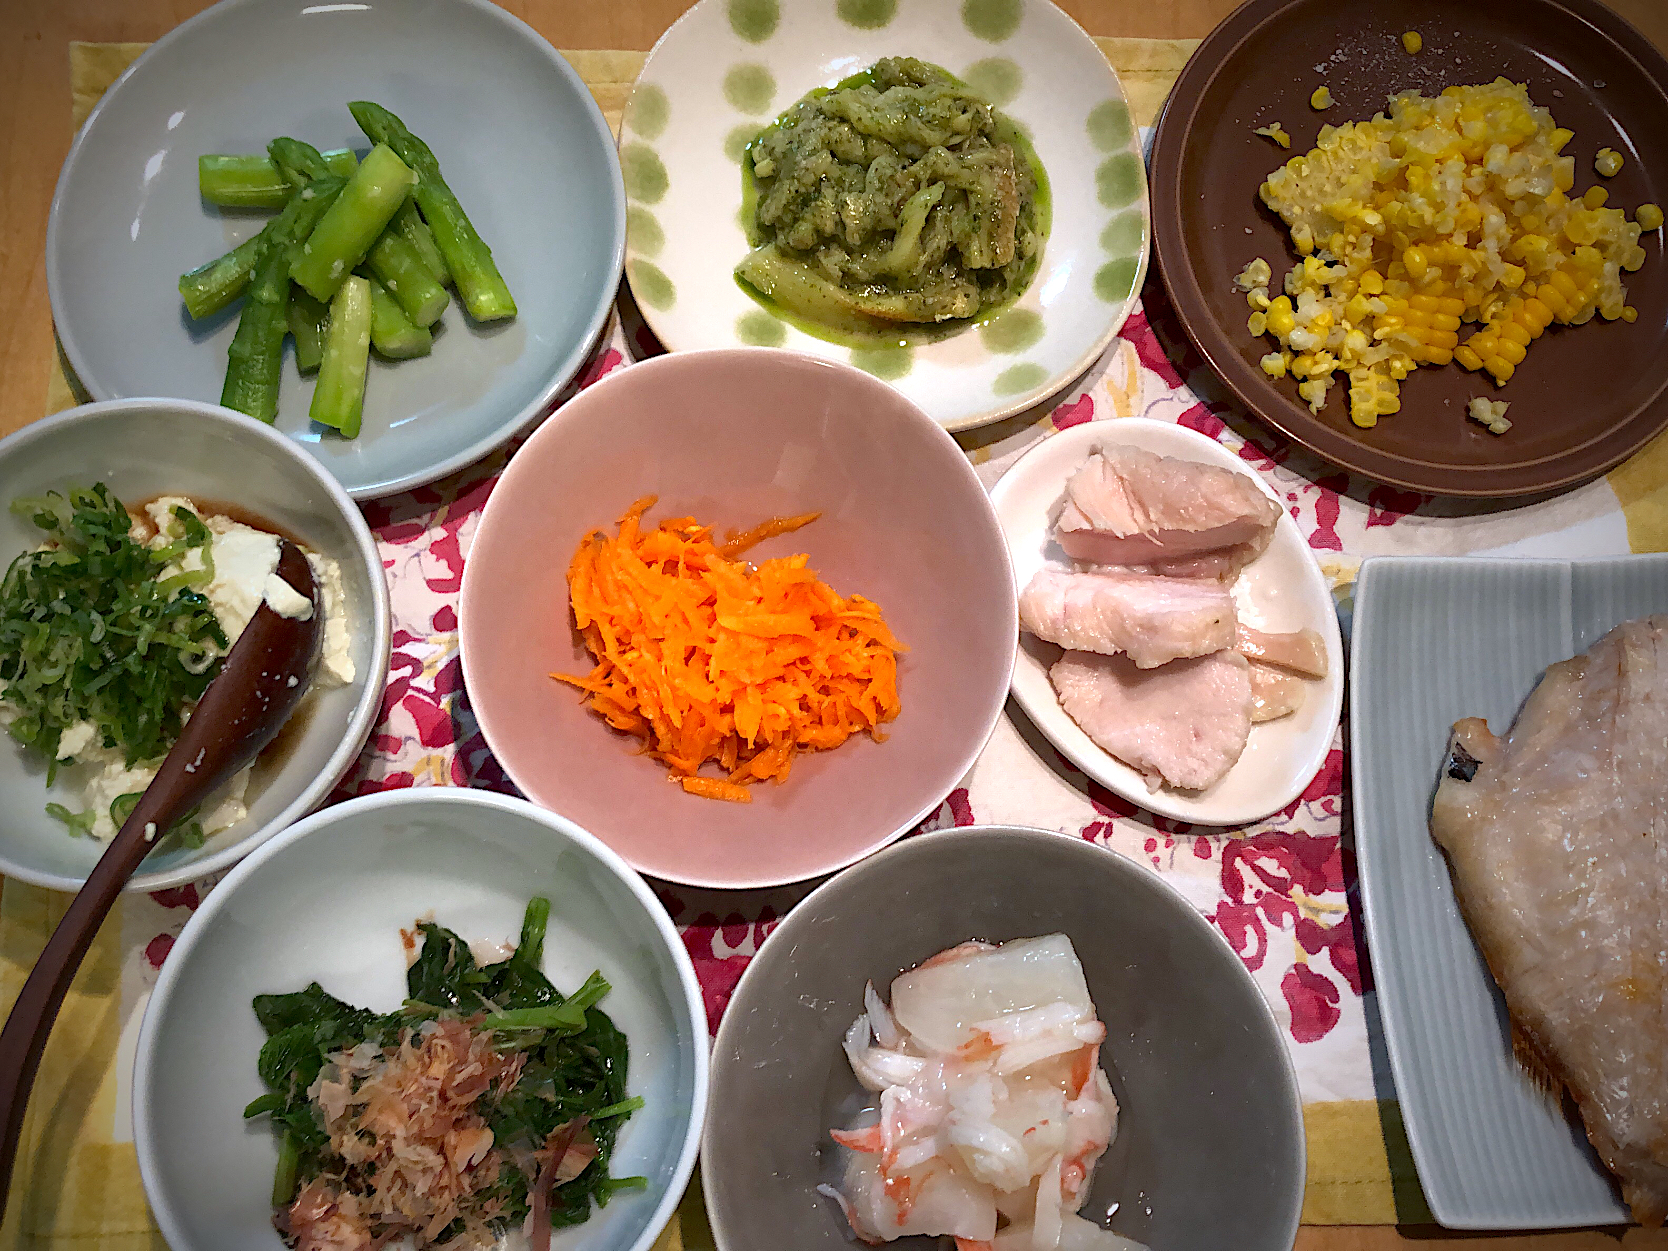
point(1436, 640)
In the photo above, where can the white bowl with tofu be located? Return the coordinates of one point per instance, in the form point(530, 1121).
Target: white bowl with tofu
point(1180, 646)
point(218, 490)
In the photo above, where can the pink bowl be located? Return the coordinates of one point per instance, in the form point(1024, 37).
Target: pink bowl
point(733, 437)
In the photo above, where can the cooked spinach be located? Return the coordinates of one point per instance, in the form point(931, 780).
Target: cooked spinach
point(576, 1062)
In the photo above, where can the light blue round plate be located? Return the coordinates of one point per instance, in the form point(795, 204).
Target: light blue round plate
point(517, 134)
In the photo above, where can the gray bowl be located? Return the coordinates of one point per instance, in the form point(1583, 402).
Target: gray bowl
point(1209, 1151)
point(145, 448)
point(516, 131)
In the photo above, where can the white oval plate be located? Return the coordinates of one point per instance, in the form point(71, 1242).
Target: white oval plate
point(727, 68)
point(1282, 590)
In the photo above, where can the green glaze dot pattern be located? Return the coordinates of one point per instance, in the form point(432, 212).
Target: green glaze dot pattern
point(749, 88)
point(651, 285)
point(886, 363)
point(648, 111)
point(754, 20)
point(643, 232)
point(1109, 126)
point(1115, 280)
point(1012, 331)
point(995, 78)
point(1118, 180)
point(735, 143)
point(645, 176)
point(1019, 378)
point(1122, 234)
point(991, 20)
point(760, 329)
point(866, 14)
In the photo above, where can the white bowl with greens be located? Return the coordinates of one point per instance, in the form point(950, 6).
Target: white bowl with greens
point(728, 69)
point(113, 710)
point(325, 902)
point(514, 130)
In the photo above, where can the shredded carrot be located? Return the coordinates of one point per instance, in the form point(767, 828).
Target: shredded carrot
point(708, 658)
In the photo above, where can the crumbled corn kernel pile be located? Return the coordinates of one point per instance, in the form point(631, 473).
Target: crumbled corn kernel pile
point(1451, 209)
point(1492, 413)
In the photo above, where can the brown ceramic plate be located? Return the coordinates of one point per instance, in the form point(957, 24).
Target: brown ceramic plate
point(1586, 397)
point(1209, 1148)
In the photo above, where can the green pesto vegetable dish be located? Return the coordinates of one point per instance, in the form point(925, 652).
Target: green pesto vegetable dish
point(895, 207)
point(488, 1101)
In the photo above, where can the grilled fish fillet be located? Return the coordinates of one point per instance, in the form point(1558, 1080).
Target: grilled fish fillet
point(1127, 506)
point(1557, 836)
point(1152, 620)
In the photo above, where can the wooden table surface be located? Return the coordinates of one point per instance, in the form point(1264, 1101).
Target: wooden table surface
point(35, 132)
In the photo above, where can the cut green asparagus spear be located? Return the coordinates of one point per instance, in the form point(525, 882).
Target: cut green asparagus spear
point(241, 182)
point(250, 180)
point(393, 334)
point(478, 281)
point(300, 163)
point(399, 267)
point(339, 396)
point(309, 320)
point(256, 357)
point(409, 222)
point(209, 288)
point(345, 233)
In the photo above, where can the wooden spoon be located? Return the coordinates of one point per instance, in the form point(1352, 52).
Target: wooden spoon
point(263, 678)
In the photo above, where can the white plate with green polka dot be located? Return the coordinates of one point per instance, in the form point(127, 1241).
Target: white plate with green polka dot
point(727, 68)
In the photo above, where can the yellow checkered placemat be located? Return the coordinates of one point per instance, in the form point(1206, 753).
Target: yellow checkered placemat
point(77, 1181)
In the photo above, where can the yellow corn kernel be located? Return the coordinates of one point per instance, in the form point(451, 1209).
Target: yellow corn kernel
point(1257, 323)
point(1629, 313)
point(1516, 332)
point(1372, 282)
point(1412, 41)
point(1416, 263)
point(1280, 319)
point(1276, 132)
point(1274, 365)
point(1595, 197)
point(1501, 370)
point(1558, 138)
point(1510, 352)
point(1649, 217)
point(1322, 99)
point(1608, 162)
